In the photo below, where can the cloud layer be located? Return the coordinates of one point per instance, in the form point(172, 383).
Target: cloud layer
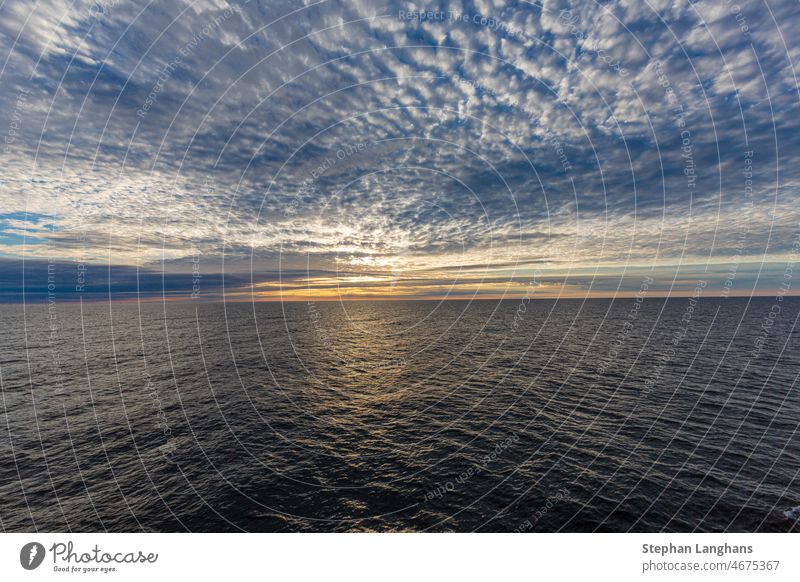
point(366, 149)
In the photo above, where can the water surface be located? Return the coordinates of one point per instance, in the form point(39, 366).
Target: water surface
point(400, 416)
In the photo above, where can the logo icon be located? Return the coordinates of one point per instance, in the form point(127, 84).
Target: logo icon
point(31, 555)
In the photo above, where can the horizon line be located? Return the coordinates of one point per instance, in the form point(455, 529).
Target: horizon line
point(329, 299)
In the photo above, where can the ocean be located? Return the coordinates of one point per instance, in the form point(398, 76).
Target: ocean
point(646, 415)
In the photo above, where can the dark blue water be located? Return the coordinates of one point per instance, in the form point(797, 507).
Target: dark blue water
point(396, 416)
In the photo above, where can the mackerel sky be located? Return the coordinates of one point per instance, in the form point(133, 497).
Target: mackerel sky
point(268, 150)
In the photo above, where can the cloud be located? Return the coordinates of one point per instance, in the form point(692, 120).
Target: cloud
point(362, 137)
point(37, 282)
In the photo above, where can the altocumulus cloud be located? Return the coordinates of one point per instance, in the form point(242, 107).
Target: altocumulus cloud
point(288, 149)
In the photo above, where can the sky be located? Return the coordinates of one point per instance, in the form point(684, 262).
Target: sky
point(298, 150)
